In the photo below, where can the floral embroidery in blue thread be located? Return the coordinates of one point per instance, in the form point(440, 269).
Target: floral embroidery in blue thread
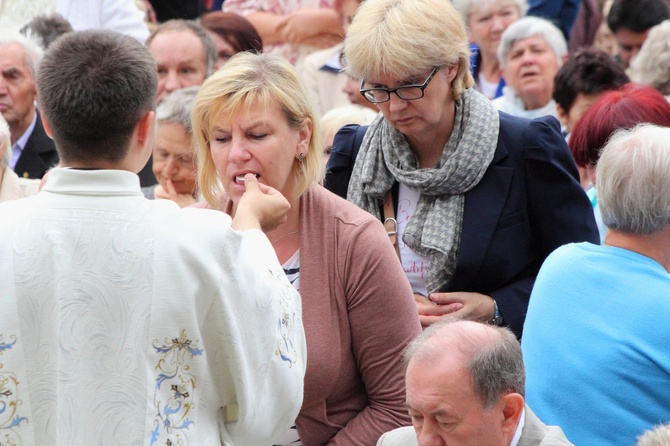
point(10, 420)
point(286, 330)
point(173, 392)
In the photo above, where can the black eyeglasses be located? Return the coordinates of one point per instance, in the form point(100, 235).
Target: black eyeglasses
point(406, 92)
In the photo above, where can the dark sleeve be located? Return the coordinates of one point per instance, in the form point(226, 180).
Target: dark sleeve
point(558, 206)
point(558, 209)
point(561, 13)
point(343, 154)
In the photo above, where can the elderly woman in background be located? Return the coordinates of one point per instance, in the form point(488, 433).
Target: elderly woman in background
point(11, 186)
point(652, 64)
point(232, 34)
point(531, 51)
point(480, 198)
point(486, 20)
point(255, 117)
point(173, 156)
point(625, 108)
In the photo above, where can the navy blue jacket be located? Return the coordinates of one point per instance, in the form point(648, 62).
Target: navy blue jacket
point(528, 203)
point(39, 154)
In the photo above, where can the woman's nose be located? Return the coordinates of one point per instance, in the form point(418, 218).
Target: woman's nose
point(396, 103)
point(238, 151)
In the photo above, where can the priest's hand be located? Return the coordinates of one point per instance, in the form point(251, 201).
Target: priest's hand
point(260, 207)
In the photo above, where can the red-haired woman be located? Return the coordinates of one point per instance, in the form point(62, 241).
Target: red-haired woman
point(625, 108)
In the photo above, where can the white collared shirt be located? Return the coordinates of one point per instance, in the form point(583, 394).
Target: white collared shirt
point(519, 428)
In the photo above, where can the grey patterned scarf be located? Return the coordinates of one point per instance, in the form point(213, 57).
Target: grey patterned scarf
point(385, 157)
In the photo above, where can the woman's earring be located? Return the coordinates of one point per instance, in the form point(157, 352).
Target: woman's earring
point(301, 157)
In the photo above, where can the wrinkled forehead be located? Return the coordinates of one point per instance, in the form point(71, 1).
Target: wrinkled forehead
point(530, 41)
point(178, 45)
point(13, 55)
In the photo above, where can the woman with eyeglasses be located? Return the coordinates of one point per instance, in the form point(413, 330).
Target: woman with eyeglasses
point(480, 197)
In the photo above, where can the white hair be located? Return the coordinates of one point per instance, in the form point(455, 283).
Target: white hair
point(32, 49)
point(5, 143)
point(176, 107)
point(633, 180)
point(658, 436)
point(652, 64)
point(532, 26)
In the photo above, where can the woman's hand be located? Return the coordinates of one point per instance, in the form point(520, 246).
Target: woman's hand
point(171, 193)
point(260, 207)
point(463, 305)
point(430, 312)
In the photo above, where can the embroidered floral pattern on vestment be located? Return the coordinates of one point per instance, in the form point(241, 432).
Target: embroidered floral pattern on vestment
point(10, 400)
point(173, 393)
point(286, 330)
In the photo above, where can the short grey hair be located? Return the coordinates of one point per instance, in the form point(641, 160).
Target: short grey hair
point(658, 436)
point(492, 356)
point(532, 26)
point(633, 180)
point(652, 64)
point(208, 44)
point(32, 50)
point(5, 143)
point(176, 107)
point(467, 7)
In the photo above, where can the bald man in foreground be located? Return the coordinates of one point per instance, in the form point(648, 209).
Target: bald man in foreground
point(465, 386)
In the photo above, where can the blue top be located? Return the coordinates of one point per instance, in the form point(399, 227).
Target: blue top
point(475, 60)
point(596, 344)
point(602, 229)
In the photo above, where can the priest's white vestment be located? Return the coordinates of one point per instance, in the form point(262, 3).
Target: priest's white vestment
point(125, 321)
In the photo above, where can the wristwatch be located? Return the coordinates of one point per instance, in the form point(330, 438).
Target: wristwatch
point(497, 318)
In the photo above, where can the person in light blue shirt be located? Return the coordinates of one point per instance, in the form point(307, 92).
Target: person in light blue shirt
point(595, 341)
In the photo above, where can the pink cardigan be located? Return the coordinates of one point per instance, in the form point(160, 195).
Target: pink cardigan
point(359, 315)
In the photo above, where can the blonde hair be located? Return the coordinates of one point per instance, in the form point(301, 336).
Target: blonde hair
point(338, 117)
point(377, 42)
point(246, 78)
